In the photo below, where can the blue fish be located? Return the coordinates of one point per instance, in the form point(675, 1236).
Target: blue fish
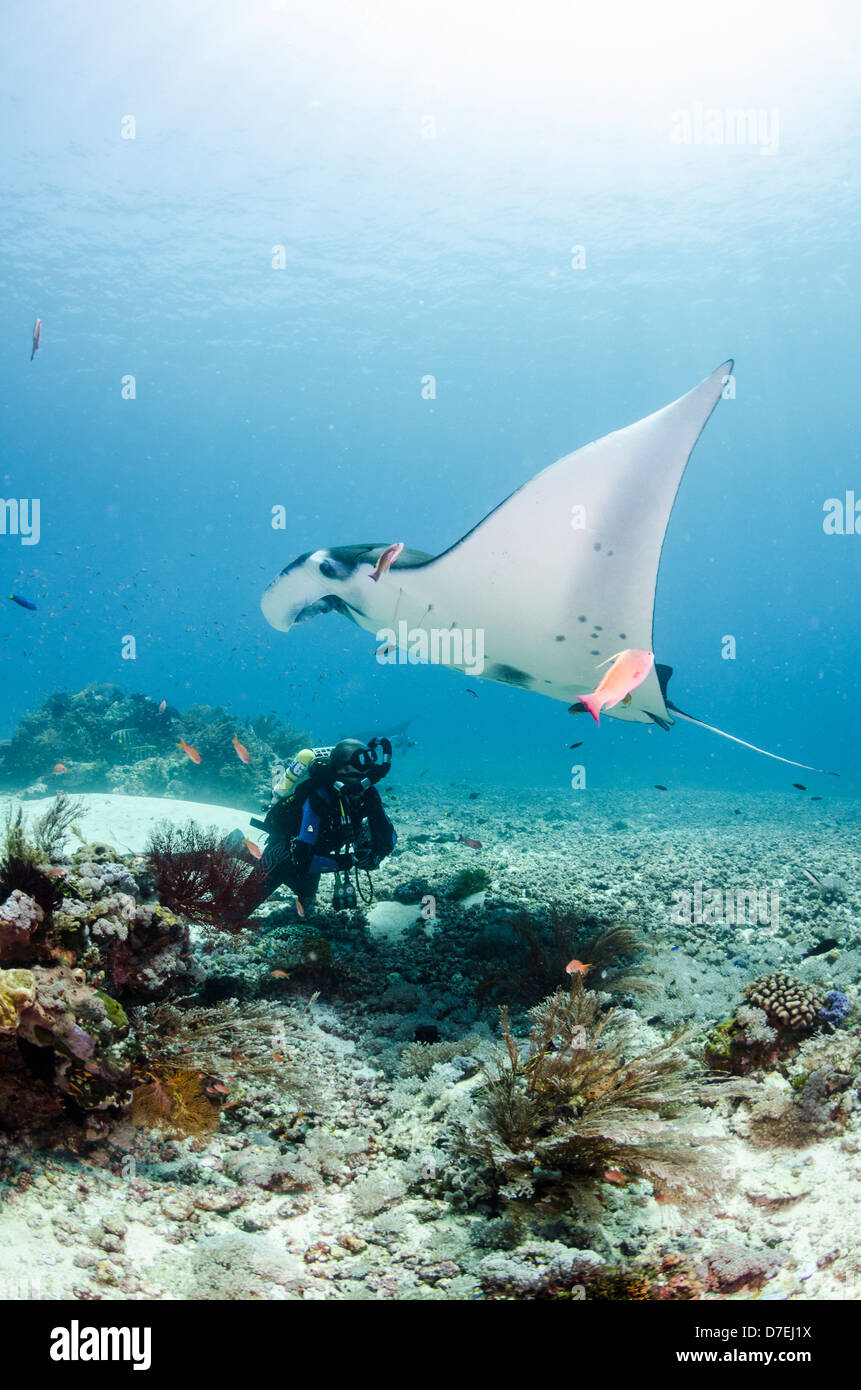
point(24, 602)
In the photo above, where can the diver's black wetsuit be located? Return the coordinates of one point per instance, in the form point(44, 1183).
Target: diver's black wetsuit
point(335, 831)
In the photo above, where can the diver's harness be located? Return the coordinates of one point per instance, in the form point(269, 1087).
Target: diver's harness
point(281, 821)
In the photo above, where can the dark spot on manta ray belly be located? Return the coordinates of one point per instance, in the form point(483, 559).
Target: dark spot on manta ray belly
point(581, 619)
point(560, 638)
point(509, 675)
point(597, 545)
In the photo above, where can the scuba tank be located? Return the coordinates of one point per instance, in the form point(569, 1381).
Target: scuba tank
point(295, 772)
point(283, 809)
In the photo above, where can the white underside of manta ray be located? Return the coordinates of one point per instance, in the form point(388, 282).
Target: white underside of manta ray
point(558, 578)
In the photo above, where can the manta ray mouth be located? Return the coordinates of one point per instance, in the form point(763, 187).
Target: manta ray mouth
point(330, 604)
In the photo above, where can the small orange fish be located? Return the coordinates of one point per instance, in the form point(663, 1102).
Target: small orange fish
point(58, 769)
point(242, 752)
point(577, 967)
point(386, 560)
point(37, 333)
point(219, 1088)
point(55, 872)
point(279, 974)
point(253, 849)
point(279, 1057)
point(189, 751)
point(299, 908)
point(613, 1175)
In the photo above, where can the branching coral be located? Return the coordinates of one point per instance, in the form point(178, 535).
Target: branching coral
point(196, 875)
point(573, 1103)
point(51, 830)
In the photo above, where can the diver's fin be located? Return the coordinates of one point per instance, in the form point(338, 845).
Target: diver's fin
point(711, 728)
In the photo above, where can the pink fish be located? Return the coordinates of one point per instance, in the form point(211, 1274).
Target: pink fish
point(162, 707)
point(254, 850)
point(577, 967)
point(242, 752)
point(630, 668)
point(386, 560)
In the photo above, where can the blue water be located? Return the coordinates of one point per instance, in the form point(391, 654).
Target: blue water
point(306, 126)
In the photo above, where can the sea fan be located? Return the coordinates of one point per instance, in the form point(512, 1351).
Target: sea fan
point(196, 875)
point(174, 1098)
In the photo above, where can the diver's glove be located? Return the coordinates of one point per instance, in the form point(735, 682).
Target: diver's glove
point(368, 860)
point(345, 861)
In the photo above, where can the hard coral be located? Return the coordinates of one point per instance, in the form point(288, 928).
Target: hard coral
point(785, 1000)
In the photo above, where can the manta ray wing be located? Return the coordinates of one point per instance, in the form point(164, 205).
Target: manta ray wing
point(561, 575)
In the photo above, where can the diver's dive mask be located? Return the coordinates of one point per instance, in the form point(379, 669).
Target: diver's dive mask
point(360, 765)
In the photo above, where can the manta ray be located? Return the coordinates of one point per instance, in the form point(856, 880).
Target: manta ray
point(557, 579)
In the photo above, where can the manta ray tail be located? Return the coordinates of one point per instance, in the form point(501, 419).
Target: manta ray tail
point(711, 728)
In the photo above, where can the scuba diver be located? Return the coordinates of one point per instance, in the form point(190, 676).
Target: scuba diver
point(326, 817)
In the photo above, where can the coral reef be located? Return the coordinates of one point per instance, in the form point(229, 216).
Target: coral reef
point(67, 960)
point(780, 1011)
point(111, 741)
point(61, 1040)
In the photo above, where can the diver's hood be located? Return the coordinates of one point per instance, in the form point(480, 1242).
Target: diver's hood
point(366, 764)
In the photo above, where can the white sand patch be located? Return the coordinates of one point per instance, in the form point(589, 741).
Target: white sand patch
point(387, 920)
point(125, 822)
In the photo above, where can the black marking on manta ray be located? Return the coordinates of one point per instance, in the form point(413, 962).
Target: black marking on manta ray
point(665, 724)
point(560, 637)
point(509, 675)
point(295, 564)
